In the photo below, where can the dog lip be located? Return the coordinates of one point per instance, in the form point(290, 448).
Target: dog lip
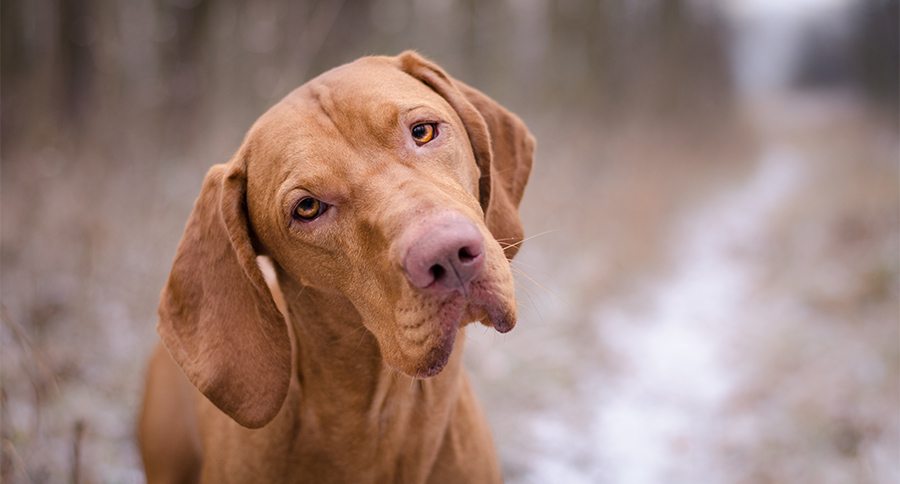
point(503, 324)
point(501, 319)
point(497, 313)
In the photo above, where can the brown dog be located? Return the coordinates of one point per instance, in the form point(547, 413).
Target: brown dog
point(382, 191)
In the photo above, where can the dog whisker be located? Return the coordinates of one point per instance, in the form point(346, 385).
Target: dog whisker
point(541, 234)
point(521, 272)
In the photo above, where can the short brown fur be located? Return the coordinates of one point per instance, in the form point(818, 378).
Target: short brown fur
point(328, 384)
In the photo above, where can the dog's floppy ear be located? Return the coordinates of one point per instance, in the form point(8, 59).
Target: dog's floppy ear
point(502, 144)
point(217, 317)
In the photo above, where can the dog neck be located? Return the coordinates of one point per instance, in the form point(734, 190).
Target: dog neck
point(342, 375)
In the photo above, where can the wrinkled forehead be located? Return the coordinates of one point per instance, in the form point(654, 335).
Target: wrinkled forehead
point(358, 107)
point(370, 93)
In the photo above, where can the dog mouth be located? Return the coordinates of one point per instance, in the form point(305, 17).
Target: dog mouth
point(429, 327)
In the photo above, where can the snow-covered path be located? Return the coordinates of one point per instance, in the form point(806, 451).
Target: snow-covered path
point(654, 418)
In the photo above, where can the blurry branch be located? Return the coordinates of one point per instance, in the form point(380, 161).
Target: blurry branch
point(866, 59)
point(12, 461)
point(302, 49)
point(41, 375)
point(316, 31)
point(877, 46)
point(76, 56)
point(77, 437)
point(6, 456)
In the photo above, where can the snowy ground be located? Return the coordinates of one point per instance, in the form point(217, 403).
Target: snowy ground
point(676, 349)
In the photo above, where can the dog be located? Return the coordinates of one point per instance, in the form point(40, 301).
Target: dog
point(385, 193)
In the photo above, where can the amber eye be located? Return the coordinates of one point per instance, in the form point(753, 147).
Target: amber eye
point(423, 132)
point(309, 208)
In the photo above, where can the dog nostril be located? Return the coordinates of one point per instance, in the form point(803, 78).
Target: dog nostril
point(437, 271)
point(465, 255)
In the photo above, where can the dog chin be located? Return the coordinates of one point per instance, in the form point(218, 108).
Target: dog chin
point(429, 364)
point(437, 358)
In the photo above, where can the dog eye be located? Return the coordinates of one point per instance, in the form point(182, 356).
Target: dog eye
point(423, 132)
point(308, 209)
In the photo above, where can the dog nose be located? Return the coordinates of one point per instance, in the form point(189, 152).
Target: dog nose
point(446, 255)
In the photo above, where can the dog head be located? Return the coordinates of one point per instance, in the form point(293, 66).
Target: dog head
point(385, 181)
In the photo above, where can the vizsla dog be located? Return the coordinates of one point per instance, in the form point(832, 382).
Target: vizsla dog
point(385, 194)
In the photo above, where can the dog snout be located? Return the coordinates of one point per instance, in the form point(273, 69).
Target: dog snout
point(446, 254)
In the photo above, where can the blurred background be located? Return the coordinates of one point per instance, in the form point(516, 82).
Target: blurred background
point(710, 290)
